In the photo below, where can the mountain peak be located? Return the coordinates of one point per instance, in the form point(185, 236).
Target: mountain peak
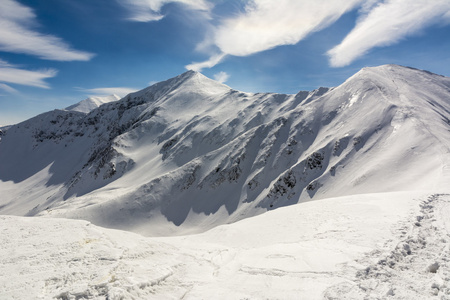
point(190, 76)
point(185, 76)
point(393, 77)
point(396, 70)
point(91, 103)
point(190, 73)
point(189, 81)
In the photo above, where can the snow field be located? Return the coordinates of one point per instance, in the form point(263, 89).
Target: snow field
point(373, 246)
point(417, 268)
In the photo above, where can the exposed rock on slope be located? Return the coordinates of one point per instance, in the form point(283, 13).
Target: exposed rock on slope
point(197, 153)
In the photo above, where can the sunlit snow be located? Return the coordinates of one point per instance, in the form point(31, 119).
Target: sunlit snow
point(189, 189)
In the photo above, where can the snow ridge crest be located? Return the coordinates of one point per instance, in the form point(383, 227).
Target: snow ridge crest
point(190, 149)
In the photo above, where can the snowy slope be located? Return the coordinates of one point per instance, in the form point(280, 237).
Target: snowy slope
point(189, 153)
point(314, 250)
point(92, 103)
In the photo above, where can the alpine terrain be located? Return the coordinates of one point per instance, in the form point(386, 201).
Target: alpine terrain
point(336, 193)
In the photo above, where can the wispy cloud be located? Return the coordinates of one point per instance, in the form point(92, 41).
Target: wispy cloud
point(150, 10)
point(4, 63)
point(266, 24)
point(221, 77)
point(387, 23)
point(106, 91)
point(8, 89)
point(13, 74)
point(211, 62)
point(18, 36)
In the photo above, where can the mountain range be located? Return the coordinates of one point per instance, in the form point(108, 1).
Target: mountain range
point(336, 193)
point(196, 152)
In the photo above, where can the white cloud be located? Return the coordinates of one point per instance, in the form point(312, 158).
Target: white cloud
point(221, 77)
point(368, 5)
point(11, 74)
point(213, 60)
point(106, 91)
point(385, 24)
point(17, 35)
point(4, 63)
point(266, 24)
point(150, 10)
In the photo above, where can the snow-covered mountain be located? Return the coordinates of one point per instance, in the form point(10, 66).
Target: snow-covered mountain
point(196, 153)
point(190, 155)
point(92, 103)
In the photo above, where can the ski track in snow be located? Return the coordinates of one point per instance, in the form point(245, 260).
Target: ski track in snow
point(418, 267)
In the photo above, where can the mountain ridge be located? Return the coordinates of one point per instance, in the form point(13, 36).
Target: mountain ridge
point(192, 151)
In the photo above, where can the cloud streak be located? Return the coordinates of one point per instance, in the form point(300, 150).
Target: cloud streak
point(268, 24)
point(211, 62)
point(387, 23)
point(17, 36)
point(150, 10)
point(264, 25)
point(8, 89)
point(12, 74)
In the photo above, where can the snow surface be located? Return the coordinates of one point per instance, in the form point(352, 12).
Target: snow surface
point(374, 246)
point(222, 184)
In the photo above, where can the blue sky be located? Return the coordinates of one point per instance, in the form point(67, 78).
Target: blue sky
point(55, 53)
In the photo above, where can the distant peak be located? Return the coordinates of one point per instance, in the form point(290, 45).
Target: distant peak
point(91, 103)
